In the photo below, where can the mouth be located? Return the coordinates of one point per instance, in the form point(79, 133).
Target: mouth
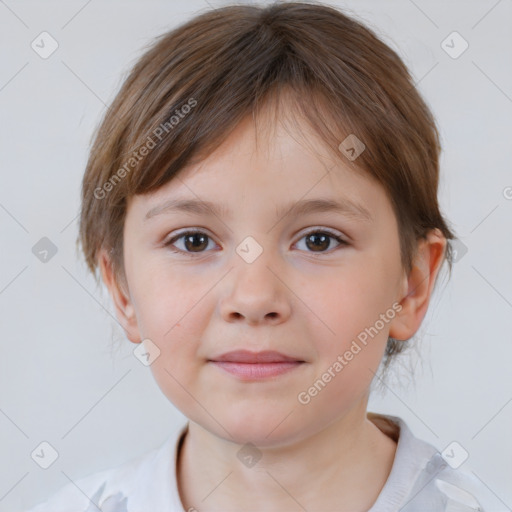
point(247, 365)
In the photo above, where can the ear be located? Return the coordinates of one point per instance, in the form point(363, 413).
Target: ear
point(125, 311)
point(418, 285)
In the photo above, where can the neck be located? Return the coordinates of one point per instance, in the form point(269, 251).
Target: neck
point(342, 467)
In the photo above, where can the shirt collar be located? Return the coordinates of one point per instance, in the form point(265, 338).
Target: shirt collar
point(411, 457)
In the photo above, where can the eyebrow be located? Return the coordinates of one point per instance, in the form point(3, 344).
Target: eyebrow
point(344, 206)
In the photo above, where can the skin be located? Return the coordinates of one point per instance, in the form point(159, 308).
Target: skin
point(325, 455)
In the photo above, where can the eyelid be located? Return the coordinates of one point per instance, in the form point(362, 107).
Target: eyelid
point(322, 229)
point(313, 229)
point(185, 231)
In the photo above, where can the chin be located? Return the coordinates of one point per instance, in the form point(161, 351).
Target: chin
point(259, 428)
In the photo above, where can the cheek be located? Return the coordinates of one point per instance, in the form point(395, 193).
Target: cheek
point(171, 314)
point(347, 302)
point(355, 313)
point(178, 365)
point(163, 297)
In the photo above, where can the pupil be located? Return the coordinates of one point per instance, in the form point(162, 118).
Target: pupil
point(195, 241)
point(319, 241)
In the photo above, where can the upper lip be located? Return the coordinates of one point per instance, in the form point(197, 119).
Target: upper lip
point(245, 356)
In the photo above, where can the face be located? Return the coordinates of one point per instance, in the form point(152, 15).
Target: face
point(257, 276)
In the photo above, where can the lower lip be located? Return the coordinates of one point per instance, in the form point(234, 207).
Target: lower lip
point(257, 371)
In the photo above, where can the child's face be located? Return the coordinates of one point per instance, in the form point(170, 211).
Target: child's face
point(303, 300)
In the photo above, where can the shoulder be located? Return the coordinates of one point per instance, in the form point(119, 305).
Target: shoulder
point(128, 487)
point(423, 478)
point(104, 490)
point(445, 488)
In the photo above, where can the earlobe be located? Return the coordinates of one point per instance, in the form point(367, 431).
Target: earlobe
point(419, 285)
point(125, 312)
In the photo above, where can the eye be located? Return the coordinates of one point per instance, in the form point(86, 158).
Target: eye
point(193, 242)
point(320, 239)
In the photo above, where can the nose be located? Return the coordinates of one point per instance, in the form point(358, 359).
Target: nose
point(255, 293)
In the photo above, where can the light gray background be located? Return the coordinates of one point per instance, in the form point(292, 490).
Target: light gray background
point(59, 381)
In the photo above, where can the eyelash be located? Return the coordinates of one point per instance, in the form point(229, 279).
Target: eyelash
point(323, 231)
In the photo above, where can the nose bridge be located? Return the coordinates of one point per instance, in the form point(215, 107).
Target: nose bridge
point(253, 261)
point(255, 292)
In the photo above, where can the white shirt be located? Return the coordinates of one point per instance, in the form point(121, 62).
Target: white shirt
point(420, 481)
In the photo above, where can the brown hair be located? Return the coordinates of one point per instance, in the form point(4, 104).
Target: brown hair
point(195, 83)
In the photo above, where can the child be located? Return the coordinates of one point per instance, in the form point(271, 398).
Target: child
point(261, 202)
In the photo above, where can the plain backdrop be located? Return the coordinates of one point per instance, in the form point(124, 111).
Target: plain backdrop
point(61, 382)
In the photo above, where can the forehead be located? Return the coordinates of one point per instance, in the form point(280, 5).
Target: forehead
point(264, 162)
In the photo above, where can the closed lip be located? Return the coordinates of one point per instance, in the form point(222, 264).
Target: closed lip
point(246, 356)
